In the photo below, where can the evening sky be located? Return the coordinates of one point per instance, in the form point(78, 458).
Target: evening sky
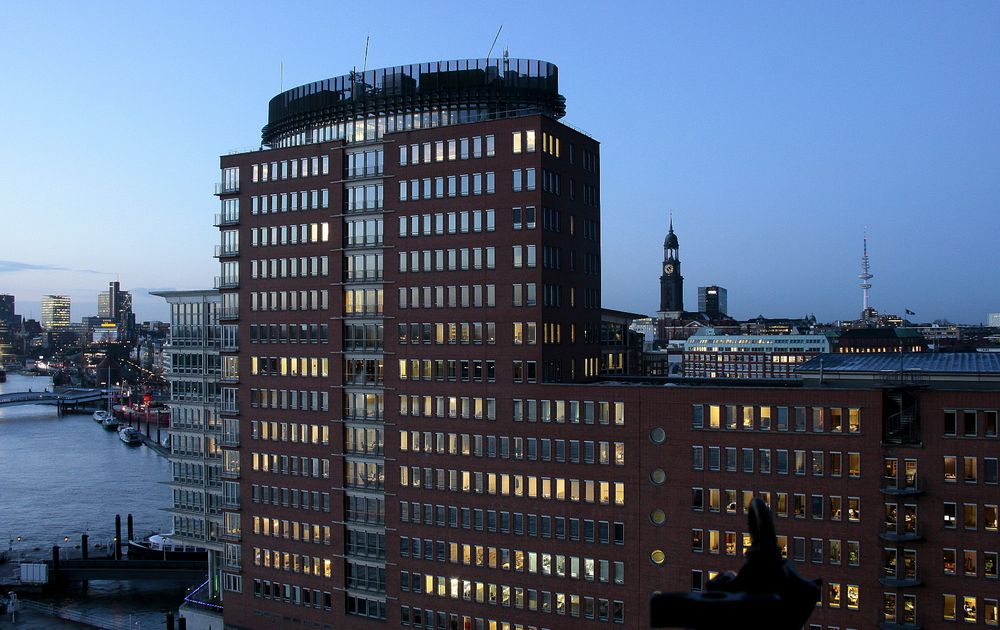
point(775, 131)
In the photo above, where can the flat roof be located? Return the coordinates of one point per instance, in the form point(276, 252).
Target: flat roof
point(928, 362)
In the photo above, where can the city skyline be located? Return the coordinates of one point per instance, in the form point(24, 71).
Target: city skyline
point(752, 118)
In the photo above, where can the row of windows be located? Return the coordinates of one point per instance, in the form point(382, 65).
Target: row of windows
point(462, 407)
point(365, 163)
point(969, 565)
point(521, 598)
point(968, 612)
point(364, 474)
point(541, 563)
point(816, 463)
point(291, 594)
point(969, 469)
point(294, 267)
point(767, 418)
point(291, 465)
point(291, 497)
point(506, 447)
point(292, 562)
point(447, 186)
point(464, 370)
point(362, 302)
point(363, 441)
point(292, 530)
point(290, 201)
point(363, 336)
point(814, 550)
point(571, 411)
point(820, 506)
point(450, 150)
point(364, 198)
point(524, 141)
point(290, 432)
point(363, 232)
point(296, 399)
point(290, 169)
point(971, 422)
point(442, 620)
point(302, 233)
point(459, 259)
point(969, 513)
point(311, 300)
point(289, 333)
point(457, 222)
point(441, 333)
point(505, 484)
point(463, 296)
point(563, 528)
point(290, 366)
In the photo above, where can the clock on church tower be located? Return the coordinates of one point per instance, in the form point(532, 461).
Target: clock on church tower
point(671, 281)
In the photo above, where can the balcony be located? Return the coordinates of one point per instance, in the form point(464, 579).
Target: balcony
point(372, 275)
point(229, 378)
point(910, 486)
point(894, 625)
point(900, 534)
point(364, 241)
point(229, 346)
point(227, 188)
point(230, 439)
point(226, 251)
point(229, 536)
point(229, 474)
point(225, 282)
point(224, 219)
point(229, 313)
point(366, 172)
point(900, 582)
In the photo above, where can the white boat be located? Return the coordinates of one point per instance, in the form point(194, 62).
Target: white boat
point(130, 435)
point(100, 415)
point(110, 423)
point(163, 547)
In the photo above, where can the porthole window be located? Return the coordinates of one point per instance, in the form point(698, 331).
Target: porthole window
point(658, 477)
point(658, 516)
point(657, 556)
point(658, 435)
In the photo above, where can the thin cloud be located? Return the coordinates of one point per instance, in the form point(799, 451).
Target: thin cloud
point(13, 266)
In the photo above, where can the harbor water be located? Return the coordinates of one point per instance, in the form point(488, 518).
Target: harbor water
point(63, 476)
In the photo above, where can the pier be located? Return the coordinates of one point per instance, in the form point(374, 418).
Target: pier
point(72, 399)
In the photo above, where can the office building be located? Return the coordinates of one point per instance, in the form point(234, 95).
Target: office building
point(711, 355)
point(7, 308)
point(411, 325)
point(55, 311)
point(465, 224)
point(993, 320)
point(713, 301)
point(199, 489)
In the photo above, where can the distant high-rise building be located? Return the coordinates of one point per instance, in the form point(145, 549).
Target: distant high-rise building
point(104, 305)
point(118, 309)
point(6, 307)
point(713, 301)
point(993, 320)
point(55, 311)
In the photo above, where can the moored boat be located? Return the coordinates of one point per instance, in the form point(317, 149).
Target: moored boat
point(130, 436)
point(110, 423)
point(163, 547)
point(100, 415)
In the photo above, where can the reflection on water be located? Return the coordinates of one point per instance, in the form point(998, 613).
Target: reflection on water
point(64, 476)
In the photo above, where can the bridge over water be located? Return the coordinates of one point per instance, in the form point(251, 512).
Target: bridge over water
point(66, 399)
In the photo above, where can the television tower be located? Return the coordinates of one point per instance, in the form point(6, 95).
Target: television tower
point(865, 277)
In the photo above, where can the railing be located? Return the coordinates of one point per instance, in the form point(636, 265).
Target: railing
point(231, 312)
point(366, 172)
point(900, 533)
point(229, 439)
point(97, 621)
point(222, 282)
point(363, 276)
point(226, 188)
point(222, 251)
point(364, 242)
point(226, 218)
point(229, 474)
point(910, 486)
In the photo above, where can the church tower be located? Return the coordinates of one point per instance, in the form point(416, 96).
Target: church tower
point(671, 281)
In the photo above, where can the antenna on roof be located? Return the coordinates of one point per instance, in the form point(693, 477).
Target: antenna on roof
point(494, 41)
point(365, 65)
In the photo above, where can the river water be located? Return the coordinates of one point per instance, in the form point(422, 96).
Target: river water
point(65, 476)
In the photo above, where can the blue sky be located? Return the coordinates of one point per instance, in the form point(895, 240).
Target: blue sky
point(775, 131)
